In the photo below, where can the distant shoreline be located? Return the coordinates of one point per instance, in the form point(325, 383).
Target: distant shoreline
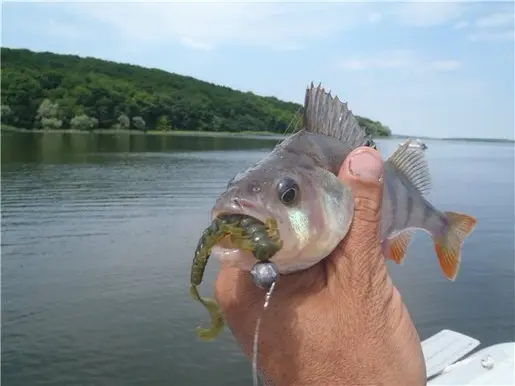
point(464, 139)
point(194, 133)
point(185, 133)
point(148, 132)
point(503, 140)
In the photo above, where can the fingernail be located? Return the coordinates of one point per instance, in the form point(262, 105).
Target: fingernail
point(366, 165)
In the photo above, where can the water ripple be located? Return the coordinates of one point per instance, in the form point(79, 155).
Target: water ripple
point(96, 252)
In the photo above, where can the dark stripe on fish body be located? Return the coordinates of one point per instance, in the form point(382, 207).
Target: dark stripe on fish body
point(409, 210)
point(393, 204)
point(428, 214)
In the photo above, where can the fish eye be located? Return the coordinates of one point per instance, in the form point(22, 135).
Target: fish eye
point(288, 191)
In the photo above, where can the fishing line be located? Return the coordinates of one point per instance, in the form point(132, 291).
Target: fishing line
point(296, 116)
point(256, 336)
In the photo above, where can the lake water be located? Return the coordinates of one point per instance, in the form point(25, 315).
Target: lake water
point(98, 233)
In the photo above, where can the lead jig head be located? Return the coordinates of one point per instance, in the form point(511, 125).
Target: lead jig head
point(264, 274)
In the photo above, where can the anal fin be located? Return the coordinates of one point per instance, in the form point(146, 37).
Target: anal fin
point(395, 248)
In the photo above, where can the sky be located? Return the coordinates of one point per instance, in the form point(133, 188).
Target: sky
point(439, 69)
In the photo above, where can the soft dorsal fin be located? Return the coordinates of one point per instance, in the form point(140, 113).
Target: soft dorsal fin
point(326, 115)
point(412, 163)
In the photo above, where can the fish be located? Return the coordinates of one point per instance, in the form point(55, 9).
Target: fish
point(297, 185)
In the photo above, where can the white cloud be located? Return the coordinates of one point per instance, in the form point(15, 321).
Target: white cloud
point(497, 19)
point(426, 14)
point(210, 25)
point(187, 42)
point(493, 36)
point(58, 28)
point(374, 17)
point(494, 27)
point(445, 65)
point(461, 24)
point(279, 26)
point(382, 61)
point(397, 60)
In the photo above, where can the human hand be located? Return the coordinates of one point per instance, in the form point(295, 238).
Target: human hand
point(340, 322)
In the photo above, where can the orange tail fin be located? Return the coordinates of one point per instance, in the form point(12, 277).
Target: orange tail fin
point(448, 247)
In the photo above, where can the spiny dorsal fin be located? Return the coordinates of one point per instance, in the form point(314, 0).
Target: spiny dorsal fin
point(412, 163)
point(326, 115)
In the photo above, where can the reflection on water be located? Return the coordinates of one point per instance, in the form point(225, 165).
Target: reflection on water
point(66, 147)
point(97, 239)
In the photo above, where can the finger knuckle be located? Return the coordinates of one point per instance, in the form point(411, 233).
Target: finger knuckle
point(367, 209)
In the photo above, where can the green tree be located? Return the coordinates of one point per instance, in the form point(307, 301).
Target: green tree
point(44, 89)
point(83, 122)
point(163, 123)
point(374, 128)
point(139, 123)
point(47, 115)
point(47, 109)
point(6, 114)
point(51, 123)
point(124, 122)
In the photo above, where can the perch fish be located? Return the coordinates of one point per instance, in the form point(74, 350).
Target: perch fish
point(296, 184)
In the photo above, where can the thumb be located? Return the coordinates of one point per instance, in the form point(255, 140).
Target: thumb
point(362, 171)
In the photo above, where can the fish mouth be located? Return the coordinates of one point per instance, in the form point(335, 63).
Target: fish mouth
point(249, 210)
point(226, 251)
point(240, 207)
point(226, 245)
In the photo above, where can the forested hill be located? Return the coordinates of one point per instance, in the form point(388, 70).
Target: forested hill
point(43, 90)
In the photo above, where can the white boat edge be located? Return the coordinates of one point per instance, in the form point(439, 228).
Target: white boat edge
point(492, 366)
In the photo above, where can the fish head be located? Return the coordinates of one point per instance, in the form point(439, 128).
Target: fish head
point(311, 219)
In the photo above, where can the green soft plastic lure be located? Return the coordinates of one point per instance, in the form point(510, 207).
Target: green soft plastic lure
point(245, 233)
